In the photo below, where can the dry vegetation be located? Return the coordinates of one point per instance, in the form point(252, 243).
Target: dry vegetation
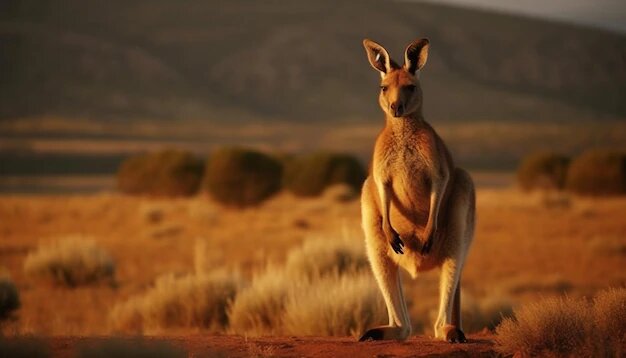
point(292, 252)
point(71, 261)
point(566, 326)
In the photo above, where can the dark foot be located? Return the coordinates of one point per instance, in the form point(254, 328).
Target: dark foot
point(374, 334)
point(397, 244)
point(455, 335)
point(385, 333)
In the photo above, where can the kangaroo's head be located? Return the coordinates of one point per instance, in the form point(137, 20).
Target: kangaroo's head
point(400, 91)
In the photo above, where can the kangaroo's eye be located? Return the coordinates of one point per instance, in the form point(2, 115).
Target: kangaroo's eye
point(410, 88)
point(383, 88)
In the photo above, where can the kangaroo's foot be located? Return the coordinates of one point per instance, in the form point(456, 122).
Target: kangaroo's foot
point(453, 334)
point(385, 333)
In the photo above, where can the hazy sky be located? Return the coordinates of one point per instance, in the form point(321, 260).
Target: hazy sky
point(608, 14)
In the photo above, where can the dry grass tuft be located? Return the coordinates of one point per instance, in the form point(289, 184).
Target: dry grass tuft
point(193, 301)
point(567, 326)
point(135, 348)
point(336, 305)
point(9, 296)
point(609, 318)
point(552, 326)
point(258, 310)
point(318, 257)
point(72, 261)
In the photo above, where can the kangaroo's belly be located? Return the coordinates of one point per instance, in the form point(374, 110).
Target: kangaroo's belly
point(410, 204)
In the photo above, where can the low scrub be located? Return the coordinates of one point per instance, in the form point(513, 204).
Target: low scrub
point(325, 288)
point(598, 172)
point(9, 296)
point(242, 177)
point(567, 327)
point(311, 175)
point(486, 314)
point(72, 261)
point(193, 301)
point(318, 257)
point(335, 305)
point(130, 348)
point(259, 309)
point(165, 173)
point(543, 170)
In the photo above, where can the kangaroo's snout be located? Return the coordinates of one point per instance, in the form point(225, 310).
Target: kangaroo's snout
point(397, 109)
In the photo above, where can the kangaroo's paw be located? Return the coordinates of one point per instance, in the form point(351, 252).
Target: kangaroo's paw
point(396, 243)
point(385, 333)
point(454, 334)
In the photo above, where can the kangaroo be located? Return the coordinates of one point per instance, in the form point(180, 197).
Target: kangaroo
point(418, 209)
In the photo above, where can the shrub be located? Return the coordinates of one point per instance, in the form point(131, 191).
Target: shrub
point(241, 177)
point(164, 173)
point(552, 326)
point(598, 172)
point(317, 257)
point(336, 305)
point(609, 314)
point(22, 347)
point(72, 261)
point(131, 348)
point(9, 296)
point(258, 310)
point(542, 170)
point(310, 175)
point(193, 301)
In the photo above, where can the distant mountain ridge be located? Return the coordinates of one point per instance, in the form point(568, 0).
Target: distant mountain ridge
point(295, 60)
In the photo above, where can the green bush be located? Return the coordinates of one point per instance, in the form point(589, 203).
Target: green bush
point(310, 175)
point(164, 173)
point(598, 172)
point(71, 262)
point(242, 177)
point(9, 296)
point(542, 170)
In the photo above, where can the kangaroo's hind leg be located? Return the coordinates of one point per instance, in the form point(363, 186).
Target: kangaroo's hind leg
point(385, 270)
point(459, 232)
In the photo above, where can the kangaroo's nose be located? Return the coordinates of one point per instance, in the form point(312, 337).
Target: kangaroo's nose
point(397, 108)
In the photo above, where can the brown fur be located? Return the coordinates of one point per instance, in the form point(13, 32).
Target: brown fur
point(430, 203)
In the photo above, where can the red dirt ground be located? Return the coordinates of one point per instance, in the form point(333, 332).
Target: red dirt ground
point(479, 345)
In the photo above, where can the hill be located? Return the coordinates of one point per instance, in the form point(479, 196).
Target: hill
point(299, 61)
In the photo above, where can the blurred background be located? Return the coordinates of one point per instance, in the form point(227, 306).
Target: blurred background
point(194, 166)
point(85, 84)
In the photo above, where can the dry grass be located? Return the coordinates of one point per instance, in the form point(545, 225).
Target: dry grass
point(518, 240)
point(567, 326)
point(318, 257)
point(486, 313)
point(72, 261)
point(259, 309)
point(552, 326)
point(609, 318)
point(130, 348)
point(335, 305)
point(191, 301)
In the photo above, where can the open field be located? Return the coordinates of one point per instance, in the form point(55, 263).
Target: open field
point(526, 246)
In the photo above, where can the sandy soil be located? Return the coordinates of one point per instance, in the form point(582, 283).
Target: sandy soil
point(479, 345)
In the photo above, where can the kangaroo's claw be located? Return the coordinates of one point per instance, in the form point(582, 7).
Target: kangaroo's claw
point(397, 244)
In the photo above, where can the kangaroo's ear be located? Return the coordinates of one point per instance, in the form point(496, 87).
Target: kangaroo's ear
point(415, 55)
point(378, 56)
